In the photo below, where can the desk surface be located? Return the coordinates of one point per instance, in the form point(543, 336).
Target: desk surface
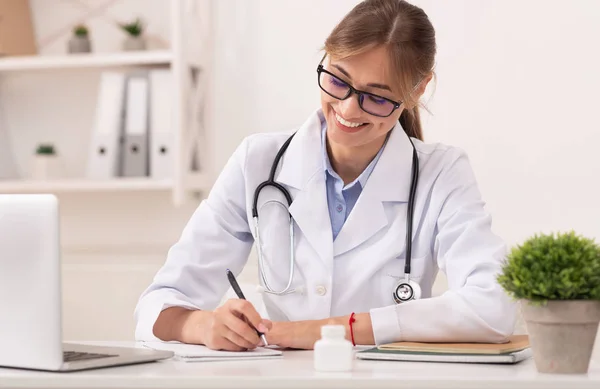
point(295, 370)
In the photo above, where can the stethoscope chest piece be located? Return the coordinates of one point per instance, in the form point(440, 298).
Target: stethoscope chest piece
point(406, 290)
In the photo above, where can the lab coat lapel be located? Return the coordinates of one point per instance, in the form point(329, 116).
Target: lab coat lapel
point(389, 181)
point(302, 168)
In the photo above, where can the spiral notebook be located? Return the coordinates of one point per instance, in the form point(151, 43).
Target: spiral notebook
point(198, 353)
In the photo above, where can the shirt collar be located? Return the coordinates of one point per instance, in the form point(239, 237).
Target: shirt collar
point(363, 177)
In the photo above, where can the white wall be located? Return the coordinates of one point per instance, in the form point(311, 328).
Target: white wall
point(517, 88)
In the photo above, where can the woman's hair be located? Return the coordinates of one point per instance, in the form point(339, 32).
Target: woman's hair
point(408, 35)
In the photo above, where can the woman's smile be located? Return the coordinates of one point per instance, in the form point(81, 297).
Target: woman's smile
point(347, 125)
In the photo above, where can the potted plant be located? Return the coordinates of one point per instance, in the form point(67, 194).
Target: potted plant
point(134, 40)
point(80, 41)
point(45, 163)
point(556, 277)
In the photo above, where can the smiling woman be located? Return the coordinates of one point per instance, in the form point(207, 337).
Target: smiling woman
point(373, 213)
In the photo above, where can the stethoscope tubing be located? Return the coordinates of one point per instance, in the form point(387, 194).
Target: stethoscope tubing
point(271, 182)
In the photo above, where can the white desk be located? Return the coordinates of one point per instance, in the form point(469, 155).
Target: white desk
point(295, 370)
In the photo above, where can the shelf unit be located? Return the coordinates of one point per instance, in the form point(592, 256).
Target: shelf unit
point(77, 61)
point(189, 73)
point(197, 182)
point(83, 185)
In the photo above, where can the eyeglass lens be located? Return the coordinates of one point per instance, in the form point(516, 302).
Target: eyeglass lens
point(339, 89)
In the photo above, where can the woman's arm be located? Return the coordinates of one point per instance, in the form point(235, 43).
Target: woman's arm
point(474, 308)
point(217, 237)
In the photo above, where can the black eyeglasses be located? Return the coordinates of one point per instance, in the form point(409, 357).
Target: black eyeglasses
point(341, 90)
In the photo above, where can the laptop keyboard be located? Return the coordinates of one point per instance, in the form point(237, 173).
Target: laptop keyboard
point(73, 356)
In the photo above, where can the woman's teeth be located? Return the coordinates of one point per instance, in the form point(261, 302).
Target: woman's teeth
point(347, 123)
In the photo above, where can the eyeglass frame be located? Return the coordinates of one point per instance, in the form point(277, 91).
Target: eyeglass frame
point(351, 90)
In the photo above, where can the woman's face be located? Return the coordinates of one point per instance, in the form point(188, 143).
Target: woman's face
point(366, 72)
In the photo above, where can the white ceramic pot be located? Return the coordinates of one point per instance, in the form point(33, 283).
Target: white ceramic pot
point(80, 45)
point(562, 334)
point(133, 43)
point(45, 167)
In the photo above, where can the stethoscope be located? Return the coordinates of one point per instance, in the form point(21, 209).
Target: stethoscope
point(405, 290)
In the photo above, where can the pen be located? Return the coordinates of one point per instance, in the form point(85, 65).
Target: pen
point(238, 291)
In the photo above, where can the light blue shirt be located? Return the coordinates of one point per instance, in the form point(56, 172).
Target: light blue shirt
point(341, 199)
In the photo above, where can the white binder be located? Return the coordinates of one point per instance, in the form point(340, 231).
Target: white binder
point(162, 135)
point(104, 155)
point(135, 146)
point(8, 169)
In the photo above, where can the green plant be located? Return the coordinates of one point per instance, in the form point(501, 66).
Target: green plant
point(80, 30)
point(134, 28)
point(564, 266)
point(45, 149)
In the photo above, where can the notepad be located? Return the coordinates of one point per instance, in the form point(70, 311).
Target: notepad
point(515, 350)
point(198, 353)
point(515, 343)
point(410, 356)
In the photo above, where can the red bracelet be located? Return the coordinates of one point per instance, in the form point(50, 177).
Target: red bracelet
point(350, 321)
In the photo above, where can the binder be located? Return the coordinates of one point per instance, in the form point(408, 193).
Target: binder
point(104, 155)
point(162, 135)
point(8, 169)
point(135, 146)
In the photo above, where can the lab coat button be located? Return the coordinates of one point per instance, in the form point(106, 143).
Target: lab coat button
point(321, 290)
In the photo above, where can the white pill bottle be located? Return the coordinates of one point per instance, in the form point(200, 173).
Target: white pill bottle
point(333, 352)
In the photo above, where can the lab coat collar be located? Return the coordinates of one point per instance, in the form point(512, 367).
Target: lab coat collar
point(389, 182)
point(303, 159)
point(302, 168)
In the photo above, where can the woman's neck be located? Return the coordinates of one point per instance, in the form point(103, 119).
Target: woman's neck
point(350, 162)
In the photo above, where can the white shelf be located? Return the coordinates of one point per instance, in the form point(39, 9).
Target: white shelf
point(83, 185)
point(194, 182)
point(92, 60)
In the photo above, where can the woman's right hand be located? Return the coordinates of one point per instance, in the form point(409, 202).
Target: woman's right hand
point(228, 327)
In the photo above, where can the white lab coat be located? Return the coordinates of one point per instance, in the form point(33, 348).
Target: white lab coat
point(358, 271)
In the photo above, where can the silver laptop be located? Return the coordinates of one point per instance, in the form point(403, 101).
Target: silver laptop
point(30, 294)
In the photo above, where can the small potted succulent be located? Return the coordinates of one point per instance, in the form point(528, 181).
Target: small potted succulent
point(556, 277)
point(46, 163)
point(135, 39)
point(80, 41)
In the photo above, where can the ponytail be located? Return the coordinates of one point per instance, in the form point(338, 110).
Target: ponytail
point(411, 122)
